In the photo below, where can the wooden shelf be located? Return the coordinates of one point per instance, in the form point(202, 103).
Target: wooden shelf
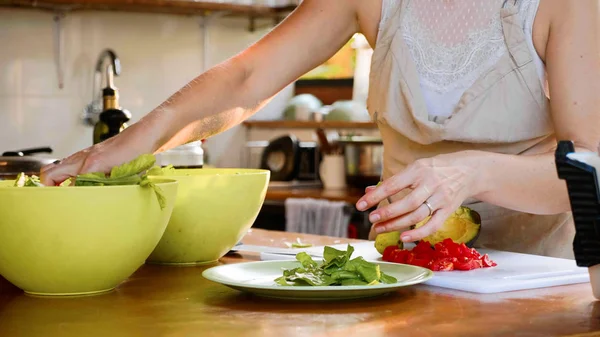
point(349, 195)
point(185, 7)
point(310, 125)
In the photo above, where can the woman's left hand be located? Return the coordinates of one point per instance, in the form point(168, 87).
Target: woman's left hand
point(436, 187)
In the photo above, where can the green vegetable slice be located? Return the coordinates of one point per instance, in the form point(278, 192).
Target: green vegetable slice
point(25, 181)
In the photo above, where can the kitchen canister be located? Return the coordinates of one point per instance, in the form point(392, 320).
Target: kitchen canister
point(189, 155)
point(332, 171)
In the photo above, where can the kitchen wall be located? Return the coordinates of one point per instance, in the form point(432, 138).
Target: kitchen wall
point(159, 54)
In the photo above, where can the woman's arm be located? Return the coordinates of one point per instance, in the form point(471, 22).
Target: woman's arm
point(523, 183)
point(228, 93)
point(236, 89)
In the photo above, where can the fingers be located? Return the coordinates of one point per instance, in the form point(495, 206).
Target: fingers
point(388, 188)
point(54, 174)
point(57, 172)
point(436, 221)
point(403, 222)
point(411, 202)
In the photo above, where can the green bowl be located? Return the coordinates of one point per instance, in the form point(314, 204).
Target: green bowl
point(61, 241)
point(214, 210)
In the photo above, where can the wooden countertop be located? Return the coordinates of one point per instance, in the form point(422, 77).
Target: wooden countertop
point(177, 301)
point(348, 195)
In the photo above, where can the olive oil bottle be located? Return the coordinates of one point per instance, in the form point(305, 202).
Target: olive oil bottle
point(113, 118)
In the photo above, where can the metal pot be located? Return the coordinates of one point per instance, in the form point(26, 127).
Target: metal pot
point(14, 162)
point(363, 158)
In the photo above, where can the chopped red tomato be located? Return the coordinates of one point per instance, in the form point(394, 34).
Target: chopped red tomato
point(455, 250)
point(410, 257)
point(400, 255)
point(443, 256)
point(442, 251)
point(486, 262)
point(423, 248)
point(422, 262)
point(465, 263)
point(387, 253)
point(442, 265)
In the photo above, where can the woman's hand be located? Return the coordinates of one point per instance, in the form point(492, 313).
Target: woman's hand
point(101, 157)
point(433, 187)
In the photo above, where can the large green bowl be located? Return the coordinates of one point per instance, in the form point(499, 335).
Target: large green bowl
point(214, 210)
point(78, 240)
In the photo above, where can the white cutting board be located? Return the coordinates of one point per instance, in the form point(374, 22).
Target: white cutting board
point(514, 271)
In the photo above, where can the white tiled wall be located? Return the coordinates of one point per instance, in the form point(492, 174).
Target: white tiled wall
point(159, 54)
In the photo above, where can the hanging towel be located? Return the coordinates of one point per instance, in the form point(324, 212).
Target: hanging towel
point(321, 217)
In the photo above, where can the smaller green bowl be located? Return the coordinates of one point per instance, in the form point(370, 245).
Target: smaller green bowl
point(215, 208)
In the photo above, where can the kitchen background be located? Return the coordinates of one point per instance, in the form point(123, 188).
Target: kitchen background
point(47, 68)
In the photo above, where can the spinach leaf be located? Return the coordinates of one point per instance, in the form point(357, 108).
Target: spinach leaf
point(335, 259)
point(135, 172)
point(160, 194)
point(385, 278)
point(99, 179)
point(336, 270)
point(309, 277)
point(343, 275)
point(306, 260)
point(161, 171)
point(134, 167)
point(354, 282)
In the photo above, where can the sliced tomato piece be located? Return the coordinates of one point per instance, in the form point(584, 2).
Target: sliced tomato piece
point(442, 265)
point(410, 257)
point(475, 253)
point(455, 250)
point(423, 248)
point(421, 262)
point(441, 251)
point(467, 264)
point(464, 250)
point(486, 262)
point(448, 242)
point(387, 253)
point(399, 255)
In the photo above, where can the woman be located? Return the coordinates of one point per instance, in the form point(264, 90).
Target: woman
point(457, 89)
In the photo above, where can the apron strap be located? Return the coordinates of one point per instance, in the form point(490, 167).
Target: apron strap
point(507, 3)
point(514, 36)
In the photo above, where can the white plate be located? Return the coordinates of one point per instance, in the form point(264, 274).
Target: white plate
point(259, 277)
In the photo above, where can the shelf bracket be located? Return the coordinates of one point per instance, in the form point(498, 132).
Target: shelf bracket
point(204, 22)
point(59, 47)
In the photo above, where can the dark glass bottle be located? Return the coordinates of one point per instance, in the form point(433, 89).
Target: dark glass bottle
point(113, 119)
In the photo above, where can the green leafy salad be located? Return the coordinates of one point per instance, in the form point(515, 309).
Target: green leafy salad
point(336, 270)
point(135, 172)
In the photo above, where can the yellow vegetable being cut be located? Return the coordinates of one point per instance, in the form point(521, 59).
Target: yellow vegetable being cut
point(463, 226)
point(382, 241)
